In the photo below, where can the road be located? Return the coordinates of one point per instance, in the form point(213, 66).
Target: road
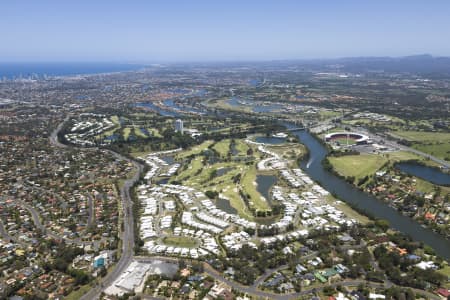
point(252, 290)
point(128, 229)
point(128, 249)
point(269, 272)
point(127, 234)
point(54, 136)
point(393, 144)
point(90, 211)
point(4, 233)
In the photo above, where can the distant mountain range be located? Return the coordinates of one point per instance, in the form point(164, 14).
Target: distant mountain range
point(421, 64)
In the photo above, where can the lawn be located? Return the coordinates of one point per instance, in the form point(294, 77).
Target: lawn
point(126, 132)
point(223, 104)
point(327, 114)
point(440, 150)
point(180, 241)
point(345, 141)
point(422, 136)
point(249, 186)
point(222, 147)
point(446, 271)
point(154, 132)
point(357, 165)
point(194, 150)
point(195, 165)
point(336, 129)
point(434, 143)
point(241, 147)
point(428, 187)
point(75, 295)
point(115, 120)
point(349, 212)
point(402, 155)
point(139, 133)
point(367, 164)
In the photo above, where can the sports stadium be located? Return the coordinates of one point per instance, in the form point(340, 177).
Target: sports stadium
point(358, 138)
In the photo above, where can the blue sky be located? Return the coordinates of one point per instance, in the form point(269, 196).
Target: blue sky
point(190, 30)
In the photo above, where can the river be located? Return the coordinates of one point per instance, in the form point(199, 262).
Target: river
point(433, 175)
point(348, 193)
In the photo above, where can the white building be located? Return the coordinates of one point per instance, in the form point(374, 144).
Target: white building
point(179, 126)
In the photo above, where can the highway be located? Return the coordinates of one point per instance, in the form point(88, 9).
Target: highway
point(390, 143)
point(128, 249)
point(127, 236)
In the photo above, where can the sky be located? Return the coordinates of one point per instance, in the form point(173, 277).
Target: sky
point(196, 30)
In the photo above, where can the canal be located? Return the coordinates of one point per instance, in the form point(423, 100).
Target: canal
point(433, 175)
point(347, 192)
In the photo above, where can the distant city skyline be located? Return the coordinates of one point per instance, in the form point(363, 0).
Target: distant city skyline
point(178, 31)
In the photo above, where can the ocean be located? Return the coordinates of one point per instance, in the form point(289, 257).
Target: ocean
point(26, 70)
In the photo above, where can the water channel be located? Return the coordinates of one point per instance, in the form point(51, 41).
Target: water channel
point(433, 175)
point(347, 192)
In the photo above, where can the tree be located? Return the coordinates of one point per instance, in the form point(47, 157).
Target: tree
point(382, 224)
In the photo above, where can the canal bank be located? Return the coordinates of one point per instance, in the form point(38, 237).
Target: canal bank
point(431, 174)
point(365, 202)
point(312, 165)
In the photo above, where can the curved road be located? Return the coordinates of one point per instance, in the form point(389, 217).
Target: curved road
point(251, 290)
point(390, 142)
point(128, 248)
point(128, 221)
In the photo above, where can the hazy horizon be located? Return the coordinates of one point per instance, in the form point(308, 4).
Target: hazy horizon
point(210, 31)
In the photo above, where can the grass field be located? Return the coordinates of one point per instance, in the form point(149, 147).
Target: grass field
point(75, 295)
point(402, 155)
point(341, 205)
point(194, 150)
point(434, 143)
point(357, 165)
point(344, 141)
point(199, 176)
point(222, 147)
point(440, 150)
point(327, 114)
point(115, 120)
point(289, 151)
point(223, 104)
point(126, 132)
point(241, 147)
point(249, 186)
point(422, 136)
point(180, 241)
point(139, 133)
point(154, 132)
point(367, 164)
point(336, 129)
point(446, 271)
point(195, 165)
point(222, 184)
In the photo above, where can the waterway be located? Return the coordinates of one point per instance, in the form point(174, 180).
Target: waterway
point(161, 111)
point(225, 205)
point(171, 103)
point(264, 185)
point(430, 174)
point(257, 107)
point(347, 192)
point(270, 140)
